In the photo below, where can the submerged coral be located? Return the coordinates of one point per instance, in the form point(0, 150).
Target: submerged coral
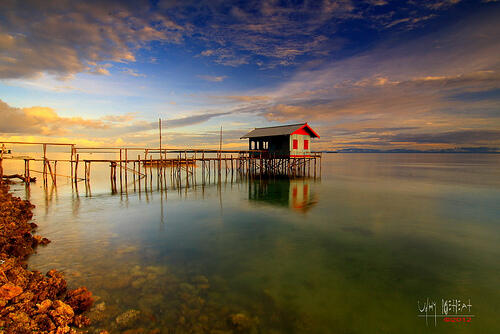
point(30, 301)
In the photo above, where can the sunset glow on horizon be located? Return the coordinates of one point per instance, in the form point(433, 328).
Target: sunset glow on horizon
point(374, 74)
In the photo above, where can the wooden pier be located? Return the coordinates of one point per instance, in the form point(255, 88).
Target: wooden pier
point(140, 164)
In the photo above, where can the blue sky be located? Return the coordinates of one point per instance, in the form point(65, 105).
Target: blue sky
point(366, 74)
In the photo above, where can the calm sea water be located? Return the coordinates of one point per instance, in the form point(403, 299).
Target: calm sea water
point(358, 251)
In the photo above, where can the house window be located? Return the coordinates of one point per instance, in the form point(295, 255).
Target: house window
point(295, 144)
point(306, 144)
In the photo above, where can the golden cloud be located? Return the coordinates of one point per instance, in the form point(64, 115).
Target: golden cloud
point(46, 121)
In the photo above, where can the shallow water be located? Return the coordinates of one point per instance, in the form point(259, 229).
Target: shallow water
point(357, 251)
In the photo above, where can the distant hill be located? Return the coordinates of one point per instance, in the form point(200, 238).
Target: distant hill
point(399, 150)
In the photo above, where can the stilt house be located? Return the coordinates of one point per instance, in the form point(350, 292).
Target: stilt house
point(282, 141)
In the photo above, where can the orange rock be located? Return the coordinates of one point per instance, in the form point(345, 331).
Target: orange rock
point(62, 313)
point(19, 317)
point(79, 299)
point(9, 291)
point(44, 306)
point(63, 330)
point(44, 322)
point(81, 321)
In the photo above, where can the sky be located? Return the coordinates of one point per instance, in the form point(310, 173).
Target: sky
point(375, 74)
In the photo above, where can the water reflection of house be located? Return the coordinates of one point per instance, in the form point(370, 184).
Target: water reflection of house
point(292, 193)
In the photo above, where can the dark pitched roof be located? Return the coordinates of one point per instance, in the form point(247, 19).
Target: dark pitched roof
point(281, 130)
point(273, 131)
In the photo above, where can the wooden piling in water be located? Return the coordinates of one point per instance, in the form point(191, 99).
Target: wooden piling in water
point(126, 168)
point(44, 160)
point(139, 171)
point(27, 170)
point(55, 173)
point(76, 168)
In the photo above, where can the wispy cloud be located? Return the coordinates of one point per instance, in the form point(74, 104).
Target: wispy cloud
point(132, 72)
point(241, 98)
point(193, 119)
point(226, 56)
point(99, 69)
point(213, 78)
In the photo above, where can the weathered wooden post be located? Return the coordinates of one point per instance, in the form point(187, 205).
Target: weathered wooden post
point(44, 159)
point(126, 168)
point(260, 156)
point(88, 172)
point(76, 167)
point(113, 176)
point(26, 171)
point(151, 168)
point(121, 170)
point(315, 166)
point(208, 159)
point(51, 174)
point(186, 165)
point(320, 159)
point(203, 167)
point(139, 171)
point(55, 172)
point(71, 160)
point(1, 162)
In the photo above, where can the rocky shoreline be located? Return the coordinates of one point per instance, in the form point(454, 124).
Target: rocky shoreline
point(29, 300)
